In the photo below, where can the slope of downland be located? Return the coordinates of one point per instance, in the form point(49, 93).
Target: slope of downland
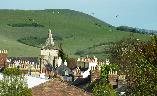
point(78, 31)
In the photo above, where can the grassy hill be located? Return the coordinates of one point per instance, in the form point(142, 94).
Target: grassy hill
point(77, 31)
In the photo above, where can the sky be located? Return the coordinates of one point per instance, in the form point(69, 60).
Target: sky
point(133, 13)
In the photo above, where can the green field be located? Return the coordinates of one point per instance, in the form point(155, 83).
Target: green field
point(78, 31)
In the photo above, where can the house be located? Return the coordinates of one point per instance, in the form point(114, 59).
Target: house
point(26, 64)
point(64, 72)
point(85, 65)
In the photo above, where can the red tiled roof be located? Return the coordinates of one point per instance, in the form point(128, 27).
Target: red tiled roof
point(58, 88)
point(87, 60)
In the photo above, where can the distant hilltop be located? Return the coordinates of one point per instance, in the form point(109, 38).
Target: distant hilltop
point(23, 32)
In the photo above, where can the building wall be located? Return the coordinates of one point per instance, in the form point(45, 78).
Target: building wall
point(47, 52)
point(3, 57)
point(49, 56)
point(92, 65)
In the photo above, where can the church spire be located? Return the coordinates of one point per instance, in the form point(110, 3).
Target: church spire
point(49, 42)
point(50, 34)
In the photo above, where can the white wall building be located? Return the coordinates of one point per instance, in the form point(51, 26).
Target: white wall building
point(88, 64)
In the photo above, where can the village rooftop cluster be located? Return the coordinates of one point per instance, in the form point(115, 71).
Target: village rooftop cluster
point(49, 65)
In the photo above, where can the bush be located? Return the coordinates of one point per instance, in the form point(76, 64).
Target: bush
point(103, 89)
point(13, 83)
point(35, 41)
point(25, 25)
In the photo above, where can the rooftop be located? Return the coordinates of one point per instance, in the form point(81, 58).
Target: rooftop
point(58, 88)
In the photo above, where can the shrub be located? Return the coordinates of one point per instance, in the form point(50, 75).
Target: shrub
point(13, 83)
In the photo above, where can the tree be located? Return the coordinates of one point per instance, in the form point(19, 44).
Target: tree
point(137, 60)
point(61, 53)
point(13, 83)
point(72, 63)
point(103, 89)
point(105, 70)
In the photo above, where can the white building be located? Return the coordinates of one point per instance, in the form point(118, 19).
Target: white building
point(86, 65)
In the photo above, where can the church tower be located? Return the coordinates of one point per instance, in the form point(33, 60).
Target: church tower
point(48, 54)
